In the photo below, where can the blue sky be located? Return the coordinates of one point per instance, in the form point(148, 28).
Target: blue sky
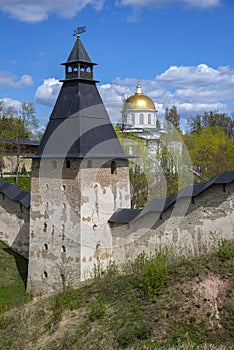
point(182, 49)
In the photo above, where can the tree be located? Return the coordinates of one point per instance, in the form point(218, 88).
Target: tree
point(172, 117)
point(17, 125)
point(212, 119)
point(211, 151)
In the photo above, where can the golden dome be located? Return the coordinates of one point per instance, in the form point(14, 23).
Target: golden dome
point(139, 100)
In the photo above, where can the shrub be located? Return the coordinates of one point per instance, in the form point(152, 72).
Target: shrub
point(225, 250)
point(156, 273)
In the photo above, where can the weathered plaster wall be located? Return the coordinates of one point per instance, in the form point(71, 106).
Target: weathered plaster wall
point(14, 225)
point(54, 259)
point(209, 217)
point(102, 193)
point(70, 207)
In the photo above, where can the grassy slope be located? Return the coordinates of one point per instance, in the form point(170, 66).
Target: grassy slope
point(158, 303)
point(12, 289)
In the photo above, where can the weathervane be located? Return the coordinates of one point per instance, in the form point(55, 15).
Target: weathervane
point(79, 31)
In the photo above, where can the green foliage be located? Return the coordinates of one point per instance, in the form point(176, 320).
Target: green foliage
point(211, 151)
point(212, 119)
point(172, 117)
point(97, 310)
point(225, 250)
point(131, 334)
point(13, 274)
point(156, 273)
point(24, 182)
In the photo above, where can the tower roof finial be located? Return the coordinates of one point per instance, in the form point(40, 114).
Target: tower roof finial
point(139, 85)
point(79, 30)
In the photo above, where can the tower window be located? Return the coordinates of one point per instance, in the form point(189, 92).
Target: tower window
point(45, 247)
point(141, 119)
point(113, 167)
point(68, 164)
point(64, 187)
point(45, 227)
point(63, 249)
point(89, 164)
point(149, 118)
point(45, 274)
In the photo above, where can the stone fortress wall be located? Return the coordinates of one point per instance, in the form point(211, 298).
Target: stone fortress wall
point(208, 217)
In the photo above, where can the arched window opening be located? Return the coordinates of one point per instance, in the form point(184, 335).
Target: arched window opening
point(63, 249)
point(132, 118)
point(45, 247)
point(64, 187)
point(113, 167)
point(68, 164)
point(149, 118)
point(45, 275)
point(75, 69)
point(141, 119)
point(69, 69)
point(45, 227)
point(88, 70)
point(82, 68)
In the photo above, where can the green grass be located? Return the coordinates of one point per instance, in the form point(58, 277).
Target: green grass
point(24, 182)
point(150, 303)
point(13, 273)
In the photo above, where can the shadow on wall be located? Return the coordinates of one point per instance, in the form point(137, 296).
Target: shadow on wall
point(21, 264)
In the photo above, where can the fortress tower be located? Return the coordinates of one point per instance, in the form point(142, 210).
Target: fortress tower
point(80, 177)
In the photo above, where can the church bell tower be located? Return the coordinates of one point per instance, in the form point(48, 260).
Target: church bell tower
point(80, 176)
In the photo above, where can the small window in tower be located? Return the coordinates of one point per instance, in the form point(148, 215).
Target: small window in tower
point(141, 119)
point(63, 249)
point(113, 167)
point(69, 69)
point(82, 69)
point(88, 70)
point(75, 69)
point(68, 164)
point(149, 118)
point(54, 164)
point(45, 247)
point(52, 230)
point(64, 187)
point(89, 163)
point(63, 227)
point(45, 275)
point(45, 227)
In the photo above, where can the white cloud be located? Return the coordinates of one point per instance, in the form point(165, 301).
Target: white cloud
point(8, 102)
point(32, 11)
point(191, 89)
point(47, 93)
point(9, 79)
point(203, 4)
